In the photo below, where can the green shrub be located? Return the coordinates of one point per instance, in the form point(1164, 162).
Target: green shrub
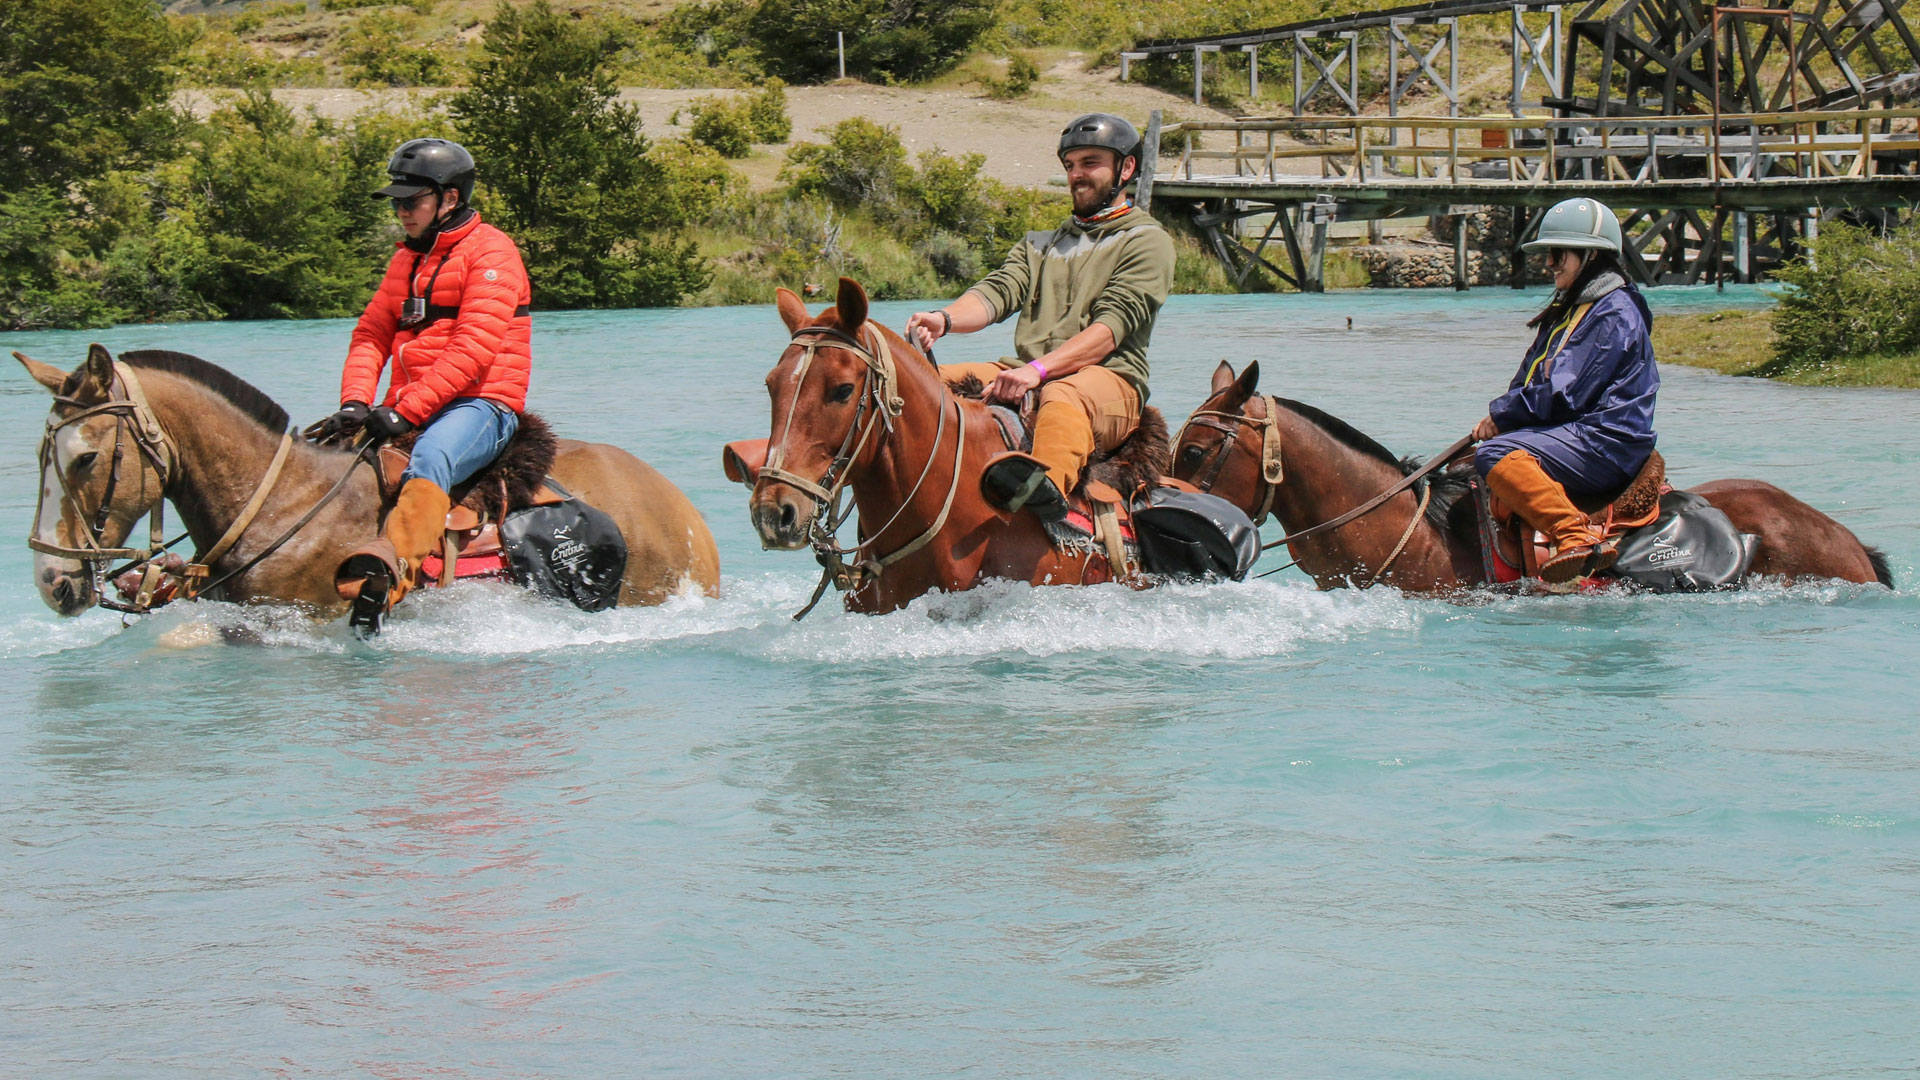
point(1852, 297)
point(376, 53)
point(696, 182)
point(352, 5)
point(724, 124)
point(1022, 73)
point(767, 108)
point(862, 164)
point(950, 191)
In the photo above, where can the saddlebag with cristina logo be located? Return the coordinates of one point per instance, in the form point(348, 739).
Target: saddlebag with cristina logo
point(569, 551)
point(1691, 547)
point(1193, 536)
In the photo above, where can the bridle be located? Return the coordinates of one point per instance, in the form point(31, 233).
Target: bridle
point(133, 415)
point(877, 404)
point(127, 403)
point(1230, 425)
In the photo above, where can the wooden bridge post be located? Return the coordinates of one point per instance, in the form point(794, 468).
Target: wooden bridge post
point(1253, 72)
point(1460, 282)
point(1149, 161)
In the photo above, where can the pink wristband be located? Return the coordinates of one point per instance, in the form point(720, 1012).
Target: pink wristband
point(1039, 367)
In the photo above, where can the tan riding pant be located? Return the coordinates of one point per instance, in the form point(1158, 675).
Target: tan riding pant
point(1091, 409)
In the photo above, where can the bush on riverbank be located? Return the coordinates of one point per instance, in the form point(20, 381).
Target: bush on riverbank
point(1744, 343)
point(1853, 296)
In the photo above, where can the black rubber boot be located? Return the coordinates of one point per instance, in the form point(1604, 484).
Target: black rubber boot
point(1015, 482)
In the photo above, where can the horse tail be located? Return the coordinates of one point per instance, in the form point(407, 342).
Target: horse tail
point(1880, 571)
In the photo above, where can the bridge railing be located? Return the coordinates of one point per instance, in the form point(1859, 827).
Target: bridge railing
point(1735, 148)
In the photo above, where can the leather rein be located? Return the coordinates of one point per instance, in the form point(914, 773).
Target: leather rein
point(127, 404)
point(878, 403)
point(1272, 472)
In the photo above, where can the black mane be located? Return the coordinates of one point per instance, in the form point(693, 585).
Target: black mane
point(238, 392)
point(1448, 487)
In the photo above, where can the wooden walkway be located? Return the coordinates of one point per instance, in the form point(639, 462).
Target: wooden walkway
point(1682, 180)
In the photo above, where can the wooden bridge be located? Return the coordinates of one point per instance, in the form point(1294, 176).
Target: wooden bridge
point(1723, 133)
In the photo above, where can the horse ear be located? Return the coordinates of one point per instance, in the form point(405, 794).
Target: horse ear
point(45, 374)
point(1250, 378)
point(1243, 387)
point(793, 310)
point(100, 365)
point(852, 305)
point(1222, 378)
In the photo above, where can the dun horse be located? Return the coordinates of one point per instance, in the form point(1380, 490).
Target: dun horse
point(855, 407)
point(158, 425)
point(1268, 454)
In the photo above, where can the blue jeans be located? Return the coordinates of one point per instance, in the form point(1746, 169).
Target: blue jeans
point(460, 440)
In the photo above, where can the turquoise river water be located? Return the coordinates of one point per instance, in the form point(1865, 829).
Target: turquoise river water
point(1243, 830)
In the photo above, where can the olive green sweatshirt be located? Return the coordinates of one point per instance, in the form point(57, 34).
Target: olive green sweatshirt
point(1117, 272)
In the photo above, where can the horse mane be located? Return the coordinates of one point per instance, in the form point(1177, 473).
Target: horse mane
point(1448, 488)
point(217, 380)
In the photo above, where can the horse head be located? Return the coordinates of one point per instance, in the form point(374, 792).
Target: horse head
point(834, 384)
point(1230, 446)
point(103, 464)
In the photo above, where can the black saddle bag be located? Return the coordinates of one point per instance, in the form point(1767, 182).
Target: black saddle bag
point(1691, 547)
point(568, 551)
point(1193, 536)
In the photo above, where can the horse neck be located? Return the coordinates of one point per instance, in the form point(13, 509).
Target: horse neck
point(222, 455)
point(882, 487)
point(1324, 477)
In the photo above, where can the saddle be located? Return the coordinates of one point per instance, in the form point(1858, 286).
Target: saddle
point(1099, 508)
point(1510, 549)
point(470, 547)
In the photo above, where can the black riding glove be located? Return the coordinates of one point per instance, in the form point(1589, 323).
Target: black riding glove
point(340, 426)
point(386, 422)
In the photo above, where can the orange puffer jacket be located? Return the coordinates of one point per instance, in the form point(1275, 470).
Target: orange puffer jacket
point(478, 342)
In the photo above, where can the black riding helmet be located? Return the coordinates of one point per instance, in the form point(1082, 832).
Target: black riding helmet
point(1108, 132)
point(428, 165)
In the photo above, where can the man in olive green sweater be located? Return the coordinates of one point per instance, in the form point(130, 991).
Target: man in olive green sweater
point(1087, 294)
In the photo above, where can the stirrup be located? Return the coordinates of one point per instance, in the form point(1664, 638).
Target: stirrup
point(1575, 563)
point(367, 579)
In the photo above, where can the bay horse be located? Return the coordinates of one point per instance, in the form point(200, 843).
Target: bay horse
point(1268, 454)
point(126, 434)
point(856, 407)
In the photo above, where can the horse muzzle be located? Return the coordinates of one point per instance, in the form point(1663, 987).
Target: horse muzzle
point(781, 516)
point(64, 586)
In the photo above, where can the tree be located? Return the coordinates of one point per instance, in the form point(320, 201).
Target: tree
point(84, 88)
point(892, 40)
point(565, 167)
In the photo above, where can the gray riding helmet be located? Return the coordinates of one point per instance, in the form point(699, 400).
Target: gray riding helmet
point(1108, 132)
point(428, 165)
point(1579, 223)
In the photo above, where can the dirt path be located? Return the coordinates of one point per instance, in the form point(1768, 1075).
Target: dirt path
point(1016, 136)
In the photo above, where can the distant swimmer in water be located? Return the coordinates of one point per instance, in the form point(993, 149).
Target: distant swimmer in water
point(1349, 322)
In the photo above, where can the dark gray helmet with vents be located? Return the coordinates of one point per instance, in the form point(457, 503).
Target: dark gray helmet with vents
point(428, 165)
point(1104, 130)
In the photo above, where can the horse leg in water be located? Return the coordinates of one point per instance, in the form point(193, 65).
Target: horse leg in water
point(668, 543)
point(1796, 540)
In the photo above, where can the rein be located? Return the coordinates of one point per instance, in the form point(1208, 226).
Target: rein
point(880, 393)
point(1228, 424)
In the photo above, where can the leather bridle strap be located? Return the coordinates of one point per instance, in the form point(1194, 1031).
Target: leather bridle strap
point(1229, 424)
point(129, 412)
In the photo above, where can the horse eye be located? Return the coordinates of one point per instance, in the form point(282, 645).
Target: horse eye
point(1191, 454)
point(841, 394)
point(86, 460)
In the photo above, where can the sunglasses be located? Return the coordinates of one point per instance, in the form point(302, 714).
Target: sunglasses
point(407, 204)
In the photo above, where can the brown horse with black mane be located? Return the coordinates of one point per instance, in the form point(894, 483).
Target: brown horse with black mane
point(126, 433)
point(857, 409)
point(1269, 454)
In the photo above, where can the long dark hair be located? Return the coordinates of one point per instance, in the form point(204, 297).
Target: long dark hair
point(1599, 261)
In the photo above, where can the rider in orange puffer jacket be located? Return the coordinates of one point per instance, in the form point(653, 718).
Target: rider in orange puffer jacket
point(452, 316)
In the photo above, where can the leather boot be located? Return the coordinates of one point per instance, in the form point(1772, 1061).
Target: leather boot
point(1062, 440)
point(1520, 482)
point(377, 575)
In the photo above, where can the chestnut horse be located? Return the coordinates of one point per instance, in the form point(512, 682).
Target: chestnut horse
point(1269, 454)
point(856, 407)
point(125, 434)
